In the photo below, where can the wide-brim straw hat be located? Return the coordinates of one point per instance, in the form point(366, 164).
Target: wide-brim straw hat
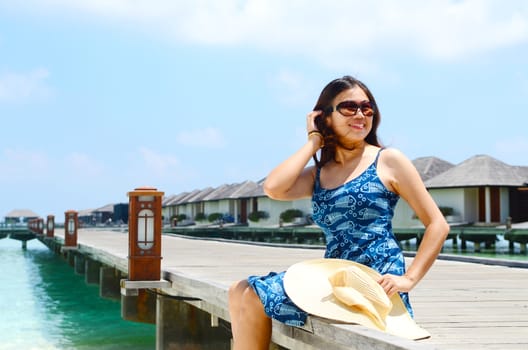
point(348, 292)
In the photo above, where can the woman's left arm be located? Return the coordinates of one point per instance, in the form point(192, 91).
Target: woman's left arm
point(404, 179)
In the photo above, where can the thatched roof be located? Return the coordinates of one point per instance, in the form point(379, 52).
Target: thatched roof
point(258, 191)
point(109, 208)
point(196, 195)
point(523, 171)
point(85, 212)
point(429, 167)
point(21, 213)
point(232, 191)
point(175, 199)
point(246, 189)
point(480, 170)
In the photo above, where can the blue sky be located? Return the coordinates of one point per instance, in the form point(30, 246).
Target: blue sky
point(100, 97)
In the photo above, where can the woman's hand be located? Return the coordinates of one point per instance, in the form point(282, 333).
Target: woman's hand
point(394, 283)
point(310, 121)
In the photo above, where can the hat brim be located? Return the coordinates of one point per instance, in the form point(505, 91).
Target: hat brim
point(307, 285)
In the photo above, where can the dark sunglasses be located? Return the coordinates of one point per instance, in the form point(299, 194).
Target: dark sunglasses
point(350, 108)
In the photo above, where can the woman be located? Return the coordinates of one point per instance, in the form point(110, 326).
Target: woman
point(354, 186)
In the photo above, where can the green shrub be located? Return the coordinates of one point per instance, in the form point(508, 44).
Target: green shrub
point(446, 211)
point(290, 214)
point(181, 217)
point(200, 217)
point(214, 217)
point(255, 216)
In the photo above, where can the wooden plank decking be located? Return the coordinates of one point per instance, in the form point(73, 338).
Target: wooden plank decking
point(463, 305)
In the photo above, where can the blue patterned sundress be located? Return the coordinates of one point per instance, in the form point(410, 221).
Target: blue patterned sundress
point(356, 219)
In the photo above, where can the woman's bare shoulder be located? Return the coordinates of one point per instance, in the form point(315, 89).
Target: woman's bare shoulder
point(393, 157)
point(396, 170)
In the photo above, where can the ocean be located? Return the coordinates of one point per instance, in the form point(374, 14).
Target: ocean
point(44, 304)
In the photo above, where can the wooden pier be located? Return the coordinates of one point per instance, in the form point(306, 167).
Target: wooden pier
point(464, 305)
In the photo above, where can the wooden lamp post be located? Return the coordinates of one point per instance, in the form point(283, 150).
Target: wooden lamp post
point(50, 226)
point(31, 225)
point(144, 256)
point(70, 228)
point(144, 234)
point(40, 226)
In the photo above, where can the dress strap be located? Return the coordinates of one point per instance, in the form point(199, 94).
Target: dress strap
point(377, 156)
point(317, 180)
point(317, 175)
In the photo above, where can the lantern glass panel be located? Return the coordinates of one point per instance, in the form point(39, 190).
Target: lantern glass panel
point(50, 224)
point(71, 226)
point(145, 229)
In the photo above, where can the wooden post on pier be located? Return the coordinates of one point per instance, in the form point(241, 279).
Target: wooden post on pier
point(70, 228)
point(144, 234)
point(144, 256)
point(40, 226)
point(50, 226)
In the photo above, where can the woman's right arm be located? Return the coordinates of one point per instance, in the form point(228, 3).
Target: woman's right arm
point(291, 179)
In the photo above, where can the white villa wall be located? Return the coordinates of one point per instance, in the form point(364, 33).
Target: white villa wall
point(447, 197)
point(223, 206)
point(274, 208)
point(211, 207)
point(403, 216)
point(470, 213)
point(304, 205)
point(187, 210)
point(167, 213)
point(226, 206)
point(450, 197)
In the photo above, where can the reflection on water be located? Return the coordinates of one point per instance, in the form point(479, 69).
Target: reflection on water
point(500, 251)
point(45, 305)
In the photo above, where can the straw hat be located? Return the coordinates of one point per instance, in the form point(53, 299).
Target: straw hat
point(346, 291)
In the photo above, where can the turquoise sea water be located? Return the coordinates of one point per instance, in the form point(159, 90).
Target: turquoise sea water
point(45, 305)
point(501, 251)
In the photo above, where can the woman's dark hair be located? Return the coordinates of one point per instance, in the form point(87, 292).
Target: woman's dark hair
point(330, 91)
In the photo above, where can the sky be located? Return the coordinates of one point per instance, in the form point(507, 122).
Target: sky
point(99, 97)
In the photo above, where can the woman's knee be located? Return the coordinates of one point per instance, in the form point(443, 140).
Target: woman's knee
point(243, 299)
point(251, 303)
point(236, 292)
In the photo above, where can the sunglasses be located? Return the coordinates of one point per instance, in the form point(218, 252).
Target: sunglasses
point(350, 108)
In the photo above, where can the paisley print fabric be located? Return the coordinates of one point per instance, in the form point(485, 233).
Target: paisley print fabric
point(277, 305)
point(356, 220)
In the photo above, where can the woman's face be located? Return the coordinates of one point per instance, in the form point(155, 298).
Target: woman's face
point(351, 128)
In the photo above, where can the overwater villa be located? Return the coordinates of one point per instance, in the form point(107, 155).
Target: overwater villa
point(481, 190)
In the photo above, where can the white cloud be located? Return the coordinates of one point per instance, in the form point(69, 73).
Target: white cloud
point(148, 167)
point(23, 86)
point(158, 164)
point(20, 165)
point(293, 88)
point(204, 138)
point(83, 165)
point(455, 29)
point(343, 33)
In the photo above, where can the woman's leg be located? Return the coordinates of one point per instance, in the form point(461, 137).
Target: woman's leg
point(251, 327)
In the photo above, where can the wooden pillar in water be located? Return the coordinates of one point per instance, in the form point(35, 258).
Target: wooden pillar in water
point(180, 325)
point(109, 283)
